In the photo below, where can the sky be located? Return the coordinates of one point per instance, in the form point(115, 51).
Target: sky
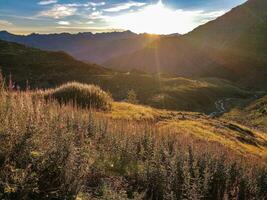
point(139, 16)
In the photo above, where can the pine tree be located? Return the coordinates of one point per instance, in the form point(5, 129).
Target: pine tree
point(132, 97)
point(1, 79)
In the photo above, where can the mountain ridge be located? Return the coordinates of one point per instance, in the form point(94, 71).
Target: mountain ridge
point(42, 67)
point(233, 46)
point(86, 46)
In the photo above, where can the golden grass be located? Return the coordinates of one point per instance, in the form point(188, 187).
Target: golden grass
point(114, 152)
point(81, 95)
point(232, 135)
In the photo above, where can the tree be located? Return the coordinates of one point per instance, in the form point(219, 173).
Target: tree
point(1, 78)
point(132, 97)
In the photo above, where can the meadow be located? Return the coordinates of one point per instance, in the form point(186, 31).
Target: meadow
point(50, 150)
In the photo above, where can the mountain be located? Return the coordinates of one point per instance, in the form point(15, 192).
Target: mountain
point(91, 47)
point(45, 69)
point(42, 68)
point(233, 46)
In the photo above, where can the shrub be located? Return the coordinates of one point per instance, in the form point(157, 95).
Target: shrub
point(132, 97)
point(81, 95)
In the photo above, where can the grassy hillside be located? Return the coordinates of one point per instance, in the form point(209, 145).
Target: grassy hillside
point(43, 68)
point(236, 137)
point(170, 92)
point(51, 151)
point(232, 46)
point(253, 114)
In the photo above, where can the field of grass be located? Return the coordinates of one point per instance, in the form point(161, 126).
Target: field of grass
point(53, 151)
point(252, 114)
point(236, 137)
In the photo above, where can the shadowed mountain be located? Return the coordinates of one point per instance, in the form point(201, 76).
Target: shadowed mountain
point(91, 47)
point(43, 67)
point(233, 46)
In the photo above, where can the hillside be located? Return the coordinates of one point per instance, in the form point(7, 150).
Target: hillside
point(130, 152)
point(237, 137)
point(171, 92)
point(43, 68)
point(252, 114)
point(232, 46)
point(90, 47)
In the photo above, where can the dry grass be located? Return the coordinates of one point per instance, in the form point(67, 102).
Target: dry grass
point(50, 151)
point(81, 95)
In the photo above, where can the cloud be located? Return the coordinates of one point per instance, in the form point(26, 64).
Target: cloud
point(63, 23)
point(95, 4)
point(96, 15)
point(59, 11)
point(47, 2)
point(124, 6)
point(4, 23)
point(90, 22)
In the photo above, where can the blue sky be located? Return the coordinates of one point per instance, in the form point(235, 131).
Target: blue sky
point(152, 16)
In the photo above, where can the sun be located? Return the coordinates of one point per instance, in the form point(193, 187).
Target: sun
point(155, 19)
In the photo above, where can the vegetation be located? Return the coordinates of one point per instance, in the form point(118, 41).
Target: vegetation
point(53, 151)
point(132, 97)
point(253, 114)
point(81, 95)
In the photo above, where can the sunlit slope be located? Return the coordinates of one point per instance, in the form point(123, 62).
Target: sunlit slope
point(253, 114)
point(232, 46)
point(231, 135)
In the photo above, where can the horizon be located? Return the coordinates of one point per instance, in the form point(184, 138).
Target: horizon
point(78, 16)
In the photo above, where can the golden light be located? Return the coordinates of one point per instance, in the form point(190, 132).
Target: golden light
point(159, 19)
point(155, 19)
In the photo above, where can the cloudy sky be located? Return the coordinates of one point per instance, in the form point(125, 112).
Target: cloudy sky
point(151, 16)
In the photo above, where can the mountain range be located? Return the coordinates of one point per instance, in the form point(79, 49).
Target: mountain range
point(234, 46)
point(87, 46)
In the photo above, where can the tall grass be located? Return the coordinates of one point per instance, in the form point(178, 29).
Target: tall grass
point(50, 151)
point(81, 95)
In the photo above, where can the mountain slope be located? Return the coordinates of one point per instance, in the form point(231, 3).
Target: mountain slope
point(253, 114)
point(234, 46)
point(43, 67)
point(85, 46)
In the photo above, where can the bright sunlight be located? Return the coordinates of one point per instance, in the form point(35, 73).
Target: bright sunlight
point(159, 19)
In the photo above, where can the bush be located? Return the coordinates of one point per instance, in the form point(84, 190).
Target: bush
point(81, 95)
point(132, 97)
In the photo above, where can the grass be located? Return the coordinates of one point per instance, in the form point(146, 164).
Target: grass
point(252, 114)
point(238, 138)
point(53, 151)
point(172, 93)
point(81, 95)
